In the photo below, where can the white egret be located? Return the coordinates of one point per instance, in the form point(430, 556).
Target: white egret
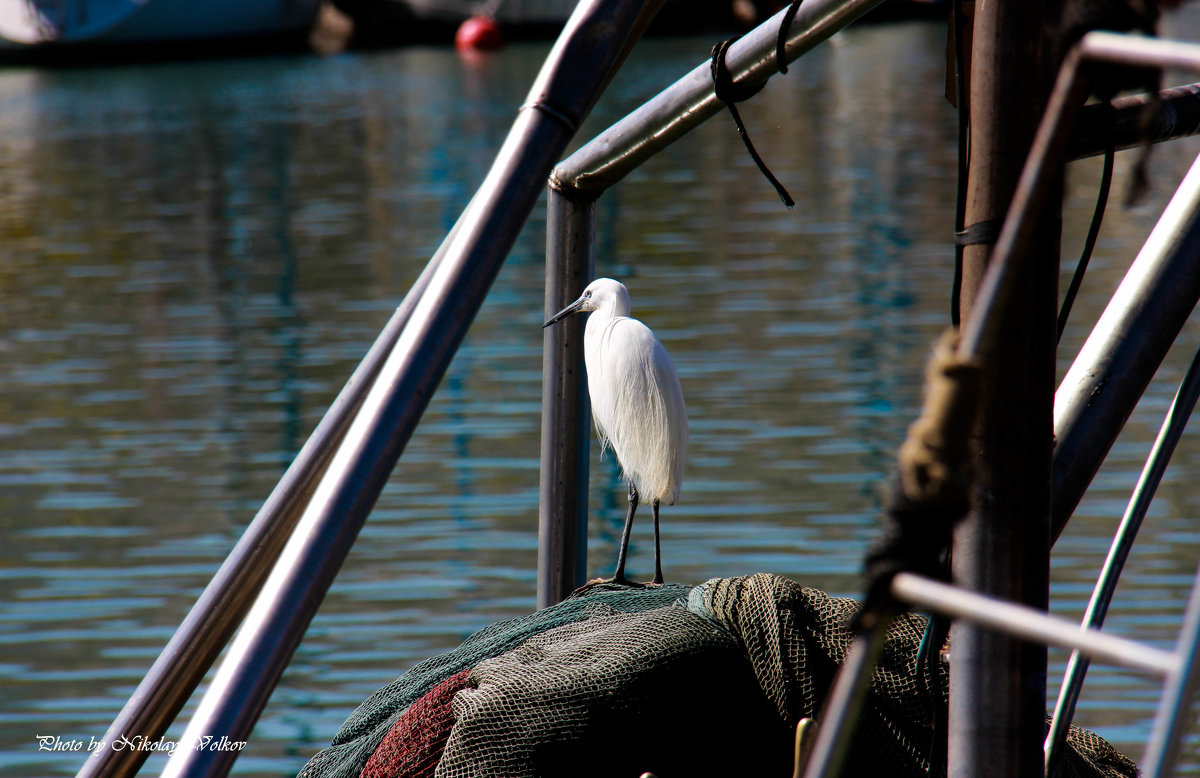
point(637, 403)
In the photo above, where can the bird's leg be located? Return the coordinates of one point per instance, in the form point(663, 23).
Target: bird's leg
point(658, 576)
point(619, 576)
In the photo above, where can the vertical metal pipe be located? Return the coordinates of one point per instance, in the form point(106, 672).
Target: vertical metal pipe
point(1125, 348)
point(562, 507)
point(1173, 717)
point(997, 684)
point(593, 42)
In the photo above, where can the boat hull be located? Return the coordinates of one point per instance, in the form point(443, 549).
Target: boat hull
point(27, 24)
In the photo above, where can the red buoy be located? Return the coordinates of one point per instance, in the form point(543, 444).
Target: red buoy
point(478, 33)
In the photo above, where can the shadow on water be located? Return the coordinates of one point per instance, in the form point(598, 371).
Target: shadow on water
point(196, 256)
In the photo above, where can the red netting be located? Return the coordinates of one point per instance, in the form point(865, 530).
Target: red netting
point(413, 746)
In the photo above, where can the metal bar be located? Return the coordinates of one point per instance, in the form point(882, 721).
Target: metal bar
point(844, 702)
point(1176, 114)
point(1171, 721)
point(592, 44)
point(1001, 548)
point(1030, 624)
point(223, 604)
point(690, 101)
point(562, 508)
point(1140, 51)
point(981, 741)
point(1156, 464)
point(1125, 348)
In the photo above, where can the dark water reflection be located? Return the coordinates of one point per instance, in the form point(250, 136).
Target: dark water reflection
point(196, 256)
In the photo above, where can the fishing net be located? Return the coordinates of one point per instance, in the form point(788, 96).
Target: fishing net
point(681, 682)
point(366, 727)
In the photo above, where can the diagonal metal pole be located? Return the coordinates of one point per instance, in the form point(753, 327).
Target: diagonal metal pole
point(1031, 624)
point(1126, 346)
point(594, 42)
point(691, 100)
point(1142, 320)
point(1156, 465)
point(845, 700)
point(223, 604)
point(1173, 717)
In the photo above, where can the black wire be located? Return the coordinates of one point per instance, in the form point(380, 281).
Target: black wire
point(938, 628)
point(929, 668)
point(964, 150)
point(1089, 243)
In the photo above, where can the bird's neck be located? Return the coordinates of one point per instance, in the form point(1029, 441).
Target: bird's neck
point(614, 308)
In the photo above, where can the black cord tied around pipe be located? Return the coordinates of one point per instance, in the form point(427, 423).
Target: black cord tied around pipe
point(781, 40)
point(730, 92)
point(980, 233)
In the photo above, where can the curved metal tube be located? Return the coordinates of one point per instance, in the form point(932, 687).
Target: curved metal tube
point(688, 102)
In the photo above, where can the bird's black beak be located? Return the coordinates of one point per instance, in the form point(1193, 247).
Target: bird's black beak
point(565, 312)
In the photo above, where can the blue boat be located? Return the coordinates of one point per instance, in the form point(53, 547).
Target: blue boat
point(43, 26)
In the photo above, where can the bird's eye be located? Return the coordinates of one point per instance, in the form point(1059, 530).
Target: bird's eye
point(587, 295)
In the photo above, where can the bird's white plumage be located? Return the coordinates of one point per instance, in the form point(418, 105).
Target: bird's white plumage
point(637, 402)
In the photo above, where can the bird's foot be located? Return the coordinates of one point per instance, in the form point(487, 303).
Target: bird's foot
point(607, 582)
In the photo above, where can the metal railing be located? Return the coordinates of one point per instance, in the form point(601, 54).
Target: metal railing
point(275, 577)
point(574, 187)
point(1108, 377)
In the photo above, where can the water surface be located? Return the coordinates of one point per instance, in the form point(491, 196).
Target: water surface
point(195, 256)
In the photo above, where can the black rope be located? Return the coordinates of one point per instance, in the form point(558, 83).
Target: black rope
point(1089, 244)
point(726, 89)
point(729, 93)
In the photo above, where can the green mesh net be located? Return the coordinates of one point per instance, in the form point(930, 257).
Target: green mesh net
point(680, 682)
